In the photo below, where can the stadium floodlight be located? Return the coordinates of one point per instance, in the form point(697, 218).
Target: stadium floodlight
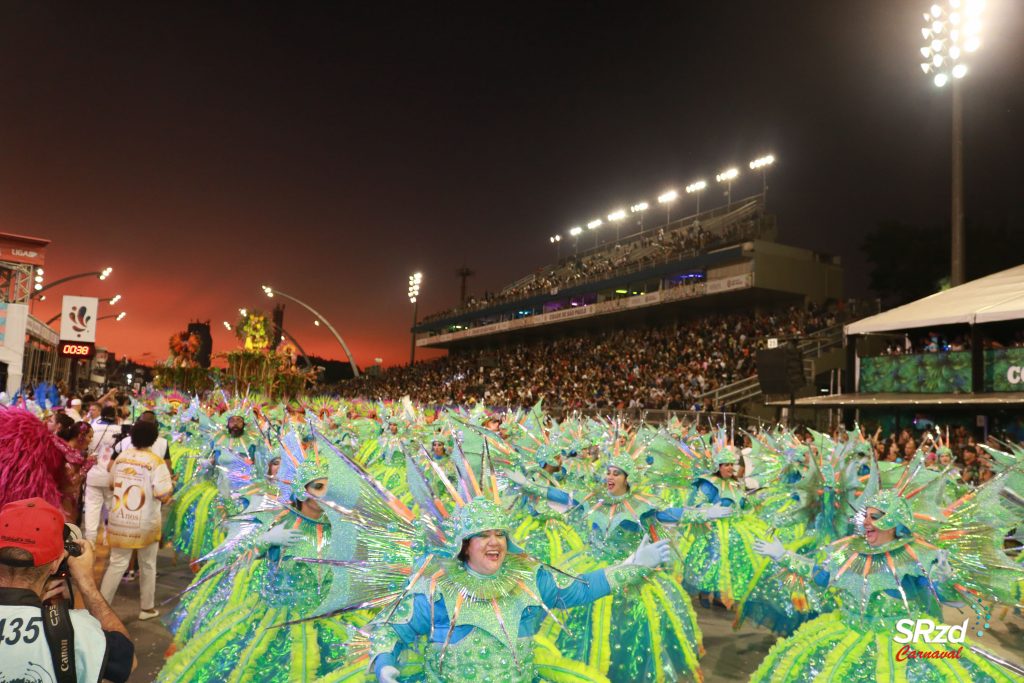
point(761, 164)
point(639, 208)
point(696, 187)
point(667, 198)
point(617, 217)
point(414, 294)
point(114, 299)
point(727, 176)
point(557, 241)
point(952, 33)
point(575, 232)
point(120, 317)
point(596, 223)
point(227, 326)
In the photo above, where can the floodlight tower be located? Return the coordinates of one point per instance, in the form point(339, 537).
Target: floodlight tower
point(952, 32)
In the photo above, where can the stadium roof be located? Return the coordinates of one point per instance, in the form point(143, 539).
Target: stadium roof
point(990, 299)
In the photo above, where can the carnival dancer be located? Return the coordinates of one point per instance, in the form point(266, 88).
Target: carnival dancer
point(455, 592)
point(249, 639)
point(898, 568)
point(649, 631)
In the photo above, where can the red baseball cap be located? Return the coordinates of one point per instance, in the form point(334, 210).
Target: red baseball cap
point(33, 525)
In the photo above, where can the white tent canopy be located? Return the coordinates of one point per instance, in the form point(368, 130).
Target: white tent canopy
point(990, 299)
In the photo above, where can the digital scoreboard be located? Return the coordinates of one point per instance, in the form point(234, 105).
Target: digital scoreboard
point(77, 349)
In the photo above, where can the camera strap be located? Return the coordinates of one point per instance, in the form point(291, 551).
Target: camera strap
point(60, 637)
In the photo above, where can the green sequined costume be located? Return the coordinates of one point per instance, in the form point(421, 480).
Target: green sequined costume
point(247, 640)
point(877, 586)
point(646, 632)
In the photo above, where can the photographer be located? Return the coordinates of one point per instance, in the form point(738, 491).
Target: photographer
point(38, 638)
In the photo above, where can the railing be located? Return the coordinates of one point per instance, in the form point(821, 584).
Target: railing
point(714, 224)
point(656, 416)
point(745, 389)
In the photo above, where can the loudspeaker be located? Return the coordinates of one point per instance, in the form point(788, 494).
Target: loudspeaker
point(781, 370)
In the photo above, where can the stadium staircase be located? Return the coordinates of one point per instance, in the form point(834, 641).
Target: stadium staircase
point(821, 352)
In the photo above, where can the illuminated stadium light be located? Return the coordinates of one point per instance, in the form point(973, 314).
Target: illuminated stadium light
point(114, 299)
point(640, 207)
point(617, 215)
point(105, 273)
point(414, 286)
point(727, 176)
point(596, 223)
point(555, 238)
point(120, 317)
point(951, 34)
point(667, 197)
point(696, 187)
point(762, 162)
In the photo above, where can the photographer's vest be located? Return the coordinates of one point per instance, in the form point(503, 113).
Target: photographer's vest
point(24, 652)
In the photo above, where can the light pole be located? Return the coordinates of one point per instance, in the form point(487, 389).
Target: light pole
point(594, 225)
point(557, 241)
point(951, 33)
point(271, 292)
point(576, 232)
point(696, 188)
point(617, 217)
point(762, 164)
point(101, 274)
point(640, 208)
point(727, 177)
point(667, 198)
point(414, 294)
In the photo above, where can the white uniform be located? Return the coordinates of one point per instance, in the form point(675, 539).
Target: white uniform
point(25, 654)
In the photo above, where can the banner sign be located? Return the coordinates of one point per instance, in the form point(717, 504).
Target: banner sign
point(18, 249)
point(78, 318)
point(1004, 370)
point(923, 373)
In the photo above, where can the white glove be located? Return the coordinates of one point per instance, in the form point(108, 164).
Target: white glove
point(281, 536)
point(517, 477)
point(388, 674)
point(649, 554)
point(773, 548)
point(941, 571)
point(717, 511)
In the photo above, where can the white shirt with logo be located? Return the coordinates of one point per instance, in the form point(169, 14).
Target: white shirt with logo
point(139, 479)
point(25, 654)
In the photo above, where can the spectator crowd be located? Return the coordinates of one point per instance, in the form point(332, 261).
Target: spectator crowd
point(657, 368)
point(627, 255)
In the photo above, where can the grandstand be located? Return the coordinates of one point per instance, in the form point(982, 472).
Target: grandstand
point(669, 319)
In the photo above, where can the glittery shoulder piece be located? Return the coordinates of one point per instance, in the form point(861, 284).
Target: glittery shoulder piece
point(493, 603)
point(860, 570)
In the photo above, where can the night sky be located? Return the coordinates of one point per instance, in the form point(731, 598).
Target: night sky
point(330, 150)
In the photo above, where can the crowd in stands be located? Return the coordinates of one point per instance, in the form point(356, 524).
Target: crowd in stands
point(658, 368)
point(637, 252)
point(943, 341)
point(971, 463)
